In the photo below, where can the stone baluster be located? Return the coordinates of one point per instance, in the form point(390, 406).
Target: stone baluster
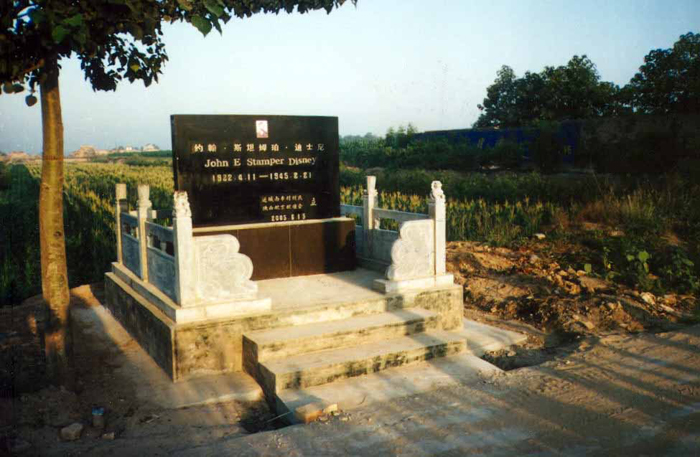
point(121, 206)
point(185, 274)
point(142, 213)
point(437, 213)
point(369, 202)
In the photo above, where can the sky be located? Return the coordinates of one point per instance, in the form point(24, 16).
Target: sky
point(379, 64)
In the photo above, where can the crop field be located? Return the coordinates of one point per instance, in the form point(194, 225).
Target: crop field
point(499, 209)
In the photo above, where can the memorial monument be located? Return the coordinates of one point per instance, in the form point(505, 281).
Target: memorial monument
point(262, 269)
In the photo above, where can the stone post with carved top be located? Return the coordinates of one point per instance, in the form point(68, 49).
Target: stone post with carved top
point(142, 213)
point(185, 269)
point(437, 211)
point(121, 206)
point(369, 202)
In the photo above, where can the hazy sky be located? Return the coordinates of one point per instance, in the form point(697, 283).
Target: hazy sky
point(380, 64)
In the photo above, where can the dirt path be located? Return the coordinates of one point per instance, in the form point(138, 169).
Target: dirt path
point(625, 395)
point(611, 395)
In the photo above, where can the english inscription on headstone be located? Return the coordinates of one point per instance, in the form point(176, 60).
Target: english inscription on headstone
point(247, 169)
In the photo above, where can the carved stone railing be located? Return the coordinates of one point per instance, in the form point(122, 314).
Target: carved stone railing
point(129, 243)
point(412, 257)
point(206, 271)
point(161, 263)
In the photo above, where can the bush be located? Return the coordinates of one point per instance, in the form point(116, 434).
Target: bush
point(4, 176)
point(548, 149)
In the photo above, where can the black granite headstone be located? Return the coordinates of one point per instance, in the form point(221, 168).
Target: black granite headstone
point(247, 169)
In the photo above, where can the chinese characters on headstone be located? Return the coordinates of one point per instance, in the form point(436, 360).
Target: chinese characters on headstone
point(247, 169)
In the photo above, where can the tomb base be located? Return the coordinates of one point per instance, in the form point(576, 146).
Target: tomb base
point(388, 286)
point(214, 343)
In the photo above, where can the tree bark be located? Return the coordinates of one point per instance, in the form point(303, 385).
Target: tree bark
point(54, 272)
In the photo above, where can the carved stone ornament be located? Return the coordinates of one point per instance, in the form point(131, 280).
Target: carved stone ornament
point(223, 273)
point(436, 192)
point(181, 205)
point(412, 254)
point(144, 193)
point(371, 190)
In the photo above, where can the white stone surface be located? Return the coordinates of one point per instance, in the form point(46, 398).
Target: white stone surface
point(369, 202)
point(181, 205)
point(438, 214)
point(412, 254)
point(223, 273)
point(222, 310)
point(183, 244)
point(148, 293)
point(144, 206)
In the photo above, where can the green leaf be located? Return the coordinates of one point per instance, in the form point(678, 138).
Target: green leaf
point(588, 268)
point(74, 21)
point(17, 88)
point(214, 7)
point(202, 24)
point(643, 256)
point(30, 100)
point(37, 15)
point(80, 37)
point(59, 33)
point(135, 67)
point(630, 257)
point(218, 27)
point(185, 4)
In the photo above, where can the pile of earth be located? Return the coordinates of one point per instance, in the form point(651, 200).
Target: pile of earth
point(531, 289)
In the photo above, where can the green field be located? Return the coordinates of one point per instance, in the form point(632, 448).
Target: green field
point(659, 216)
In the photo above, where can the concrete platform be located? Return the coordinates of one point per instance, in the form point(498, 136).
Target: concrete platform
point(348, 394)
point(155, 386)
point(309, 291)
point(213, 346)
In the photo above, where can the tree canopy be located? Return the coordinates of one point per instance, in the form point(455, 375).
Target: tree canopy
point(669, 80)
point(113, 39)
point(571, 91)
point(667, 83)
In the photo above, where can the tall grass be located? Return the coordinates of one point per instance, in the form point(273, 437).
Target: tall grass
point(478, 220)
point(19, 237)
point(496, 208)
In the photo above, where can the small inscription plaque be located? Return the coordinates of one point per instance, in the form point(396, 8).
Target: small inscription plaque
point(247, 169)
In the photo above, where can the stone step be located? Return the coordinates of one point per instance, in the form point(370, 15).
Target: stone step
point(461, 369)
point(323, 367)
point(283, 342)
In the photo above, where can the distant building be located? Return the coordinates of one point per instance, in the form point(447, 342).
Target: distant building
point(16, 156)
point(122, 149)
point(150, 147)
point(84, 152)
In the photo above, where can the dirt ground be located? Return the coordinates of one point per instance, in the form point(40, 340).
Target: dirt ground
point(532, 291)
point(561, 309)
point(102, 383)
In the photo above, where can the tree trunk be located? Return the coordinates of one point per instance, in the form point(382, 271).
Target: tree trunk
point(54, 273)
